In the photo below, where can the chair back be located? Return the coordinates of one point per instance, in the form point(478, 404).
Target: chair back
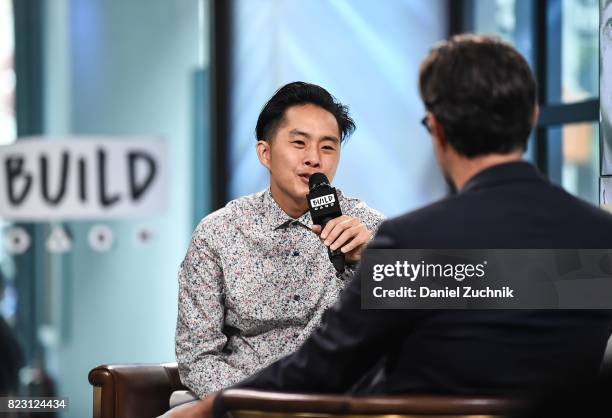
point(239, 403)
point(133, 390)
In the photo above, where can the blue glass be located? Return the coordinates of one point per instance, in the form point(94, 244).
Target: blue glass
point(365, 53)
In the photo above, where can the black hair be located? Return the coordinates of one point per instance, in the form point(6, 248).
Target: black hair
point(482, 92)
point(300, 93)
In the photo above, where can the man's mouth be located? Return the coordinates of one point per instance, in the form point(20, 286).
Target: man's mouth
point(305, 177)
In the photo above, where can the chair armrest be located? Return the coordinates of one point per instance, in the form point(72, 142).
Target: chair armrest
point(240, 403)
point(133, 390)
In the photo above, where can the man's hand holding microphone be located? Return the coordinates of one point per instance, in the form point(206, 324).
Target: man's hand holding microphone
point(344, 236)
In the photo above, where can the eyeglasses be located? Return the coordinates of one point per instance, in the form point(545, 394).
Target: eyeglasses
point(425, 123)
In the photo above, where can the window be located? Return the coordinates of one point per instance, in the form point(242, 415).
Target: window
point(8, 134)
point(563, 53)
point(365, 53)
point(8, 124)
point(574, 158)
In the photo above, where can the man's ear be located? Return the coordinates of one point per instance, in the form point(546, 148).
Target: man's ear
point(534, 117)
point(263, 153)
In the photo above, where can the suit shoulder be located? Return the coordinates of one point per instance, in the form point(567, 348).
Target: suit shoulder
point(584, 209)
point(412, 229)
point(428, 214)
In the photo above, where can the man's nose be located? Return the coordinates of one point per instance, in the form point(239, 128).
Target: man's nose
point(311, 157)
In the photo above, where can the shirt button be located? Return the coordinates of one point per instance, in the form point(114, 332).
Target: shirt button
point(296, 297)
point(296, 253)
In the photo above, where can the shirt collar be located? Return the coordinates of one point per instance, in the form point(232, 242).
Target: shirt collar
point(502, 173)
point(277, 218)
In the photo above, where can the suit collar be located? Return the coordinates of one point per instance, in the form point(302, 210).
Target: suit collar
point(502, 173)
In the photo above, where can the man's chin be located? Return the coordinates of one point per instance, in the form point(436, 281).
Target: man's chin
point(301, 190)
point(301, 197)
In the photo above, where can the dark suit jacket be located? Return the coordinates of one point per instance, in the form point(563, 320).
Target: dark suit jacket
point(496, 352)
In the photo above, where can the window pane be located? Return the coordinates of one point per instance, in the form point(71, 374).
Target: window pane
point(8, 133)
point(605, 193)
point(579, 50)
point(367, 54)
point(574, 159)
point(119, 68)
point(512, 20)
point(606, 88)
point(8, 127)
point(572, 43)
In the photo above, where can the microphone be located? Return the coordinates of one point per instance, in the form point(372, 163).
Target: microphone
point(324, 206)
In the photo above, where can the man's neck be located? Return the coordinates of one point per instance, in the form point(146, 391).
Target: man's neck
point(287, 204)
point(464, 168)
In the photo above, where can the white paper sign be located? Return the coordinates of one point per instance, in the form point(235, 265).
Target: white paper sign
point(82, 178)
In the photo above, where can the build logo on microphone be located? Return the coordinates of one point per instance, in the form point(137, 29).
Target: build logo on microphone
point(322, 201)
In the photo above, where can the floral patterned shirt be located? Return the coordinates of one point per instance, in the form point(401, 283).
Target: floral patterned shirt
point(252, 287)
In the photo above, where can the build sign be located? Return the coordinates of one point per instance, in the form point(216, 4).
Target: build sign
point(46, 179)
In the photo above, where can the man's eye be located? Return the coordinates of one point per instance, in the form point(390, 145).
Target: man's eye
point(299, 143)
point(327, 147)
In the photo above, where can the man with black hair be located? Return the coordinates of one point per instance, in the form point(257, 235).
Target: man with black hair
point(480, 101)
point(257, 277)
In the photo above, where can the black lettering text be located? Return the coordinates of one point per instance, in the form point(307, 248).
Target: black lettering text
point(137, 190)
point(13, 167)
point(105, 199)
point(44, 179)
